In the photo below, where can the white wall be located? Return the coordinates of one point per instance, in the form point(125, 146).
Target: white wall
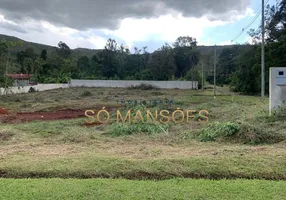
point(277, 93)
point(39, 87)
point(124, 84)
point(104, 83)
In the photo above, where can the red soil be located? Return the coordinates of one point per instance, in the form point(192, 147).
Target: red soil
point(3, 111)
point(45, 116)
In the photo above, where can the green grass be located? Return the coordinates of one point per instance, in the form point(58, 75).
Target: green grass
point(127, 189)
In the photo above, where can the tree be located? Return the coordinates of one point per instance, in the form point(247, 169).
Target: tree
point(44, 54)
point(247, 78)
point(162, 64)
point(28, 65)
point(37, 68)
point(226, 65)
point(194, 75)
point(83, 66)
point(3, 62)
point(185, 41)
point(108, 59)
point(63, 50)
point(111, 45)
point(185, 54)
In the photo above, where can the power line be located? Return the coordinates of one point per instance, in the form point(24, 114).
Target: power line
point(249, 24)
point(254, 57)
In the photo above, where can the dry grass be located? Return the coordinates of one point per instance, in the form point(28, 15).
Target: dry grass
point(68, 149)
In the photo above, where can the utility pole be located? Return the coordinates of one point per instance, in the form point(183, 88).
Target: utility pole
point(203, 87)
point(262, 55)
point(6, 72)
point(214, 71)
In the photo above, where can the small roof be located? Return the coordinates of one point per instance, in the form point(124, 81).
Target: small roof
point(19, 76)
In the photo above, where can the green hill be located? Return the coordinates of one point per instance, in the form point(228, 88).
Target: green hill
point(205, 50)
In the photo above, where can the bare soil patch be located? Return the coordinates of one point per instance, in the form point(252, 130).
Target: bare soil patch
point(47, 116)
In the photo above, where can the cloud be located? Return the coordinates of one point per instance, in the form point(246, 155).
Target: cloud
point(228, 42)
point(89, 23)
point(9, 25)
point(107, 14)
point(46, 33)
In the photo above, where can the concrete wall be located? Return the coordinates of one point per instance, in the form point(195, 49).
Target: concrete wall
point(103, 83)
point(124, 84)
point(39, 87)
point(277, 89)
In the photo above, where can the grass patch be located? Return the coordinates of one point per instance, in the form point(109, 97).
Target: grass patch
point(6, 134)
point(252, 134)
point(49, 128)
point(239, 133)
point(218, 131)
point(126, 189)
point(86, 94)
point(119, 129)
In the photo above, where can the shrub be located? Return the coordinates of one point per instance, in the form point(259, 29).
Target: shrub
point(218, 130)
point(86, 94)
point(243, 133)
point(119, 129)
point(31, 90)
point(250, 134)
point(6, 135)
point(143, 86)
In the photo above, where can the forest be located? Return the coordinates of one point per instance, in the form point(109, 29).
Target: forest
point(238, 66)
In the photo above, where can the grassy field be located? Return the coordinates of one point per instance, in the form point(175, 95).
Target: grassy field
point(240, 140)
point(127, 189)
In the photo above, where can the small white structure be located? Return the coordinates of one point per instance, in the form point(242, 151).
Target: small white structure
point(25, 89)
point(277, 87)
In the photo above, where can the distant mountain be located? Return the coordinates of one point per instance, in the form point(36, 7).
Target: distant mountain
point(205, 50)
point(38, 47)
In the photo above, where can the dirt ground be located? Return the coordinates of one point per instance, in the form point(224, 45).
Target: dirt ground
point(5, 117)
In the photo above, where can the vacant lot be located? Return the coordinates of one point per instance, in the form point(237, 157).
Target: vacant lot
point(240, 140)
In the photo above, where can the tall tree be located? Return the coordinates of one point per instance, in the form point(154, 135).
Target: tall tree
point(162, 64)
point(84, 66)
point(185, 54)
point(63, 50)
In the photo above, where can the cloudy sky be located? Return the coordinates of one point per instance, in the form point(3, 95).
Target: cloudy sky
point(89, 23)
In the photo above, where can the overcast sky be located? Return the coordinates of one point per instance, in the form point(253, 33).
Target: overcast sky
point(89, 23)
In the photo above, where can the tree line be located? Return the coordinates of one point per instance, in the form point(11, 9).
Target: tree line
point(114, 62)
point(242, 69)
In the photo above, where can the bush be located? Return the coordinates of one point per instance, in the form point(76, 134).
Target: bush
point(243, 133)
point(250, 134)
point(6, 135)
point(86, 94)
point(119, 129)
point(143, 86)
point(32, 90)
point(218, 130)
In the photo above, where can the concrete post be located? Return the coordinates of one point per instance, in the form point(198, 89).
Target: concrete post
point(277, 88)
